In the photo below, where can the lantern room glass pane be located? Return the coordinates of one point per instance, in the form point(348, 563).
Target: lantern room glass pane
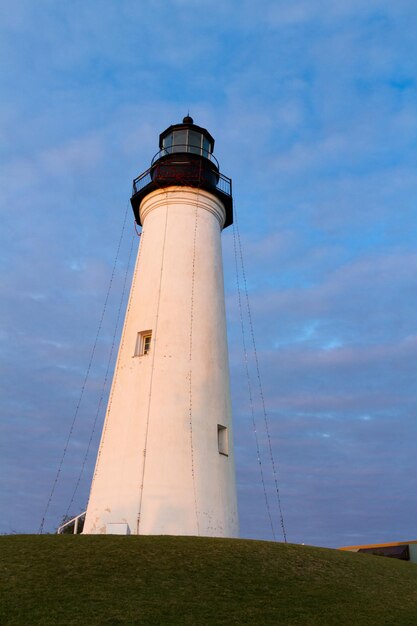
point(167, 143)
point(206, 147)
point(180, 140)
point(194, 142)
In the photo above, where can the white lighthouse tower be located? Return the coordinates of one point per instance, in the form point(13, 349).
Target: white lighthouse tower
point(165, 463)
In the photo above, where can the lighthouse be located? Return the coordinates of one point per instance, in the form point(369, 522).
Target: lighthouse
point(165, 464)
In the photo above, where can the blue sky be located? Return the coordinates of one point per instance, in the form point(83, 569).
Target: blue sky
point(313, 108)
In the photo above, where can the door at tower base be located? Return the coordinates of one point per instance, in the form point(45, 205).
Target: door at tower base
point(166, 463)
point(117, 529)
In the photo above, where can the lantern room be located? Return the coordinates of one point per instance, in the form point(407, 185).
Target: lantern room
point(185, 158)
point(186, 137)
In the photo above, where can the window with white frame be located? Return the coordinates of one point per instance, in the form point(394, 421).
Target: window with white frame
point(143, 343)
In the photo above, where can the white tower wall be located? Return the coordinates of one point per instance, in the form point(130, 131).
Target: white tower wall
point(159, 469)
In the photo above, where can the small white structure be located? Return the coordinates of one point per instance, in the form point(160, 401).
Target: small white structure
point(165, 463)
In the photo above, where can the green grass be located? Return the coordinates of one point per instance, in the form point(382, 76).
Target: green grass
point(89, 580)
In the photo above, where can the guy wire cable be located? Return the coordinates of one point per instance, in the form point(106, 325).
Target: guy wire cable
point(105, 378)
point(249, 385)
point(87, 374)
point(273, 464)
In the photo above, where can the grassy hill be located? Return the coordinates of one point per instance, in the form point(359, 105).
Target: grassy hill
point(88, 580)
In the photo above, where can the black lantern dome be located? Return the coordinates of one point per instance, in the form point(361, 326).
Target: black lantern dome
point(185, 158)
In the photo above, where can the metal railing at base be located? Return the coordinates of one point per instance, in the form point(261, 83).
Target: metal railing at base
point(76, 522)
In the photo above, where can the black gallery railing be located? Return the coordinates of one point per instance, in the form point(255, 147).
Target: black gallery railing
point(198, 177)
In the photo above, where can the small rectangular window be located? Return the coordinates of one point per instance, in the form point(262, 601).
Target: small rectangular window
point(143, 343)
point(222, 440)
point(147, 344)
